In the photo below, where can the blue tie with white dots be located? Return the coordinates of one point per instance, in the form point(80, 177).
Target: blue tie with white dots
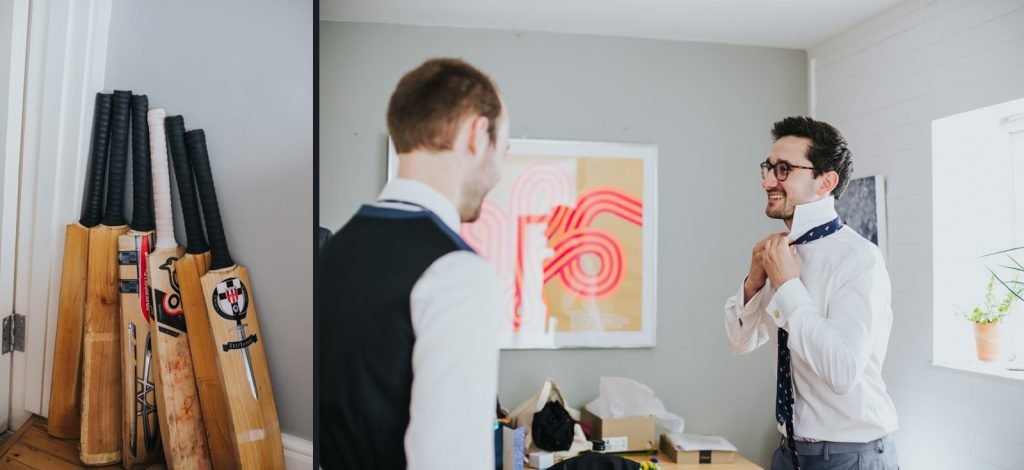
point(784, 391)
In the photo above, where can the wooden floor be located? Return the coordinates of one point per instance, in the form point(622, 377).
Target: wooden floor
point(31, 448)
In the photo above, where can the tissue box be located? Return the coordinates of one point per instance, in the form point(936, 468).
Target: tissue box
point(627, 434)
point(697, 456)
point(541, 460)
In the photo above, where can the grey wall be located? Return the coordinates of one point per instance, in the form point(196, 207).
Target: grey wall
point(709, 109)
point(243, 71)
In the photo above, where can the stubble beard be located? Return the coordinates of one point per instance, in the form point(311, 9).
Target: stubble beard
point(783, 212)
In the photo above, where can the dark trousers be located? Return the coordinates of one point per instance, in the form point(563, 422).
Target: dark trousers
point(879, 454)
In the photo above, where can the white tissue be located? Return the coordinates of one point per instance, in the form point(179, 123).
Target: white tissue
point(620, 397)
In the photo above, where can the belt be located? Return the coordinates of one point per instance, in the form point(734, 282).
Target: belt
point(827, 448)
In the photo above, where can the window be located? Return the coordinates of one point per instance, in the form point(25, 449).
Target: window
point(978, 208)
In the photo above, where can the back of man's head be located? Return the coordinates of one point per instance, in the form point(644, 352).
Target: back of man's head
point(431, 101)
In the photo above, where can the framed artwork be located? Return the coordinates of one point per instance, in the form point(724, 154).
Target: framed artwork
point(572, 231)
point(862, 208)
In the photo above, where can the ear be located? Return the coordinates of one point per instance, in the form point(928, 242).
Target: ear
point(829, 181)
point(479, 139)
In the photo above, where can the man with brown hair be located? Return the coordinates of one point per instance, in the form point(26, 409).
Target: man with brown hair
point(408, 359)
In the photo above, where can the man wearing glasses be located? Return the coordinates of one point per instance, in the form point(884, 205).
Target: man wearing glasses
point(823, 292)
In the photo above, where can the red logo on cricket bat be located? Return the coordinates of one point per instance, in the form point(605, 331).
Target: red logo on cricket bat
point(230, 299)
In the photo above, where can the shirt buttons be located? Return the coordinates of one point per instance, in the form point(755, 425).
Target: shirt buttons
point(777, 314)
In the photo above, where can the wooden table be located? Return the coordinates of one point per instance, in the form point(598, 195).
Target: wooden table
point(740, 463)
point(666, 463)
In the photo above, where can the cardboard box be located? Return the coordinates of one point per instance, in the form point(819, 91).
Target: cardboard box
point(702, 456)
point(629, 434)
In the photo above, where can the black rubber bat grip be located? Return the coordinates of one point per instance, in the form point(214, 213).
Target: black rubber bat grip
point(195, 140)
point(92, 211)
point(196, 240)
point(142, 175)
point(119, 125)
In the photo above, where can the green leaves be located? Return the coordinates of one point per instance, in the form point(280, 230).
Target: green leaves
point(1012, 269)
point(992, 311)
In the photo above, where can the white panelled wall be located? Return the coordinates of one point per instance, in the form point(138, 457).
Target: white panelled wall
point(882, 83)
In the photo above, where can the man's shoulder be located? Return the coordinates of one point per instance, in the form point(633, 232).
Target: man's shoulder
point(460, 278)
point(858, 252)
point(466, 264)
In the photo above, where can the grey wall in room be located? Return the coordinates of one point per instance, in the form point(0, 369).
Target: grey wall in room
point(707, 107)
point(243, 71)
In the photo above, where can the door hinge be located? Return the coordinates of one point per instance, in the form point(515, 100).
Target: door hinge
point(13, 333)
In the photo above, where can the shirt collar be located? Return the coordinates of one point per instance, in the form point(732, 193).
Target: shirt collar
point(416, 192)
point(812, 214)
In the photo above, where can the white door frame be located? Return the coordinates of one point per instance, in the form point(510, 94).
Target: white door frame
point(11, 161)
point(67, 48)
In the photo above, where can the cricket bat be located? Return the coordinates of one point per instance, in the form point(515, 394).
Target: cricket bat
point(190, 268)
point(254, 430)
point(64, 418)
point(101, 343)
point(178, 408)
point(141, 439)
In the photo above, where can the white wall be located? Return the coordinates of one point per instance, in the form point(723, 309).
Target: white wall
point(6, 12)
point(882, 83)
point(243, 71)
point(709, 108)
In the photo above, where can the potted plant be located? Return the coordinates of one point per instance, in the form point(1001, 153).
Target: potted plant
point(987, 320)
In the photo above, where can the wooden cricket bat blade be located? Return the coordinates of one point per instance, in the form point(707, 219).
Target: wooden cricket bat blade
point(64, 420)
point(243, 367)
point(141, 433)
point(101, 366)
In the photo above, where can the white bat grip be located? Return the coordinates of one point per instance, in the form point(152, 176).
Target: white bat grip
point(161, 180)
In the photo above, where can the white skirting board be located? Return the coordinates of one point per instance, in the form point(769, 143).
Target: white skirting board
point(298, 453)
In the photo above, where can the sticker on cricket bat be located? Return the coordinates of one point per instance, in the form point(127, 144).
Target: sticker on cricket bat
point(128, 258)
point(145, 398)
point(168, 304)
point(230, 301)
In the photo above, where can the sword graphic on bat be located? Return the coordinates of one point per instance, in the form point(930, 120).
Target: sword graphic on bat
point(230, 301)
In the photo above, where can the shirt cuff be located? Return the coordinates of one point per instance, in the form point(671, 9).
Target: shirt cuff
point(737, 310)
point(784, 305)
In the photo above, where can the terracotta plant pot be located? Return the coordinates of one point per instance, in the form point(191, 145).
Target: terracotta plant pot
point(987, 340)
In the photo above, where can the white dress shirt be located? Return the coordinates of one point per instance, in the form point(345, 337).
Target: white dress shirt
point(455, 308)
point(838, 316)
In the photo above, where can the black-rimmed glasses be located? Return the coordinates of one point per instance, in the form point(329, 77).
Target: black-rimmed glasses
point(781, 169)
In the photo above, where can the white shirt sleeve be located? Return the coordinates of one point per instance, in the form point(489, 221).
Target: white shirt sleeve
point(836, 346)
point(455, 317)
point(745, 326)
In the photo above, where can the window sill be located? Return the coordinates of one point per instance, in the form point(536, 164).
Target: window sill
point(1010, 372)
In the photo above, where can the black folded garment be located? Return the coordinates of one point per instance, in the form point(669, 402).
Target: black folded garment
point(552, 428)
